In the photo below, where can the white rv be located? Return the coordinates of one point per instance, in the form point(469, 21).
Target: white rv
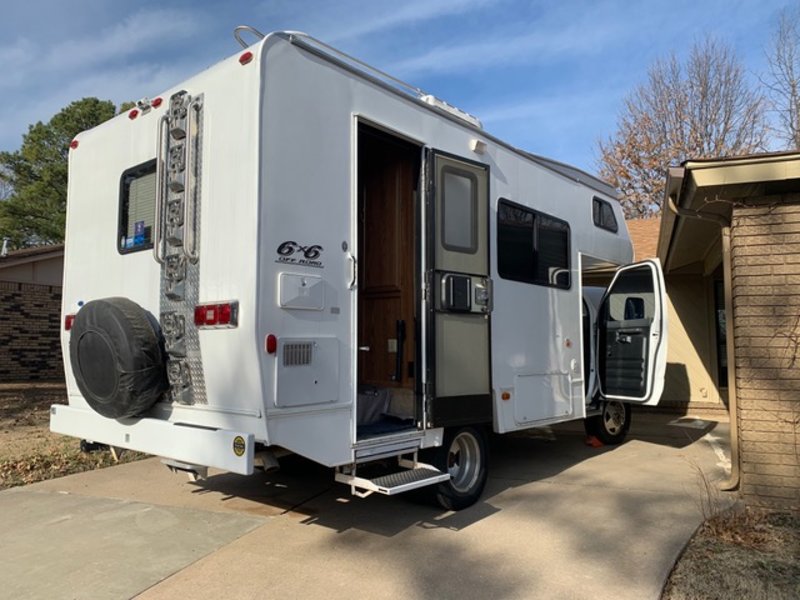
point(295, 252)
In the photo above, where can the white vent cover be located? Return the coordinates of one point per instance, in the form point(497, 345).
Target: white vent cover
point(298, 354)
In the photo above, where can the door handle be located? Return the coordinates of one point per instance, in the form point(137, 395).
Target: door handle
point(400, 328)
point(353, 271)
point(624, 339)
point(363, 348)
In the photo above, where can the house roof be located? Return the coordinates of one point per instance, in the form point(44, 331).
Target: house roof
point(644, 237)
point(15, 258)
point(708, 188)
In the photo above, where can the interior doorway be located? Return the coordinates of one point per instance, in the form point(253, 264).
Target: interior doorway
point(388, 181)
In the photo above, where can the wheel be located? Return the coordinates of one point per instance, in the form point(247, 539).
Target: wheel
point(464, 455)
point(612, 424)
point(117, 357)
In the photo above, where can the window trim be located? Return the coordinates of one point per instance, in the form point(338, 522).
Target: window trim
point(473, 248)
point(122, 205)
point(601, 202)
point(536, 220)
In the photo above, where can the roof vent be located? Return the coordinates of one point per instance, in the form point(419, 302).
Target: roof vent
point(450, 109)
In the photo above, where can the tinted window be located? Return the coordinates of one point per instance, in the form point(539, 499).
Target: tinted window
point(603, 215)
point(137, 208)
point(632, 297)
point(532, 247)
point(459, 211)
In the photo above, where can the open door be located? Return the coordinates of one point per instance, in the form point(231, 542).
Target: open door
point(632, 335)
point(458, 301)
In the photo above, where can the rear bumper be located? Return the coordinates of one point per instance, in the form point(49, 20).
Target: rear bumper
point(220, 448)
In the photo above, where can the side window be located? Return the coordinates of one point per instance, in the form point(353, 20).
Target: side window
point(459, 211)
point(137, 208)
point(532, 247)
point(632, 297)
point(603, 215)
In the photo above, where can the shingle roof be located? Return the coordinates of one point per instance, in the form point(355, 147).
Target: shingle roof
point(27, 255)
point(644, 236)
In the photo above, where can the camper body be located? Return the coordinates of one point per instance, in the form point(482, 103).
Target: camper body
point(333, 264)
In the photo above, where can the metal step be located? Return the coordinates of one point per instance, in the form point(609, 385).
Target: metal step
point(395, 483)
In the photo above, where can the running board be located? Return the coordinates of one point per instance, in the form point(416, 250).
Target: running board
point(395, 483)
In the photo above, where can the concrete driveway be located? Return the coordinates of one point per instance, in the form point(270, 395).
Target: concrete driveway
point(558, 519)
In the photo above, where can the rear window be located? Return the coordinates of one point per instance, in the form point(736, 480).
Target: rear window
point(137, 208)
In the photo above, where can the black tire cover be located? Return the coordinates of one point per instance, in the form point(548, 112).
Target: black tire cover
point(117, 357)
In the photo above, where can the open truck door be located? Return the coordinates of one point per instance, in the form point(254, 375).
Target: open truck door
point(632, 335)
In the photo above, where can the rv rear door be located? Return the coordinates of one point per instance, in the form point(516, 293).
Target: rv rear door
point(632, 335)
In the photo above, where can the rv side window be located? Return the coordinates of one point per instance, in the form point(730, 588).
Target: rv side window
point(532, 247)
point(459, 211)
point(137, 208)
point(603, 215)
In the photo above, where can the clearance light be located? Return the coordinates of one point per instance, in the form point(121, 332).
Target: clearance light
point(217, 316)
point(271, 344)
point(133, 114)
point(245, 58)
point(73, 144)
point(68, 321)
point(156, 102)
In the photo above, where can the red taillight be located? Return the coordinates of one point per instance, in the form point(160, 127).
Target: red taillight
point(156, 102)
point(245, 58)
point(133, 114)
point(73, 144)
point(224, 315)
point(68, 321)
point(271, 344)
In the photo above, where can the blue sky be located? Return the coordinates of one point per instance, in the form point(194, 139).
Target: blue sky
point(549, 77)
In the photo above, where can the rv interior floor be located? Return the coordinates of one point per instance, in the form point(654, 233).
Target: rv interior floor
point(382, 411)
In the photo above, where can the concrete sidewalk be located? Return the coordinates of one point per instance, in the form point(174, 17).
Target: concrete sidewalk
point(558, 519)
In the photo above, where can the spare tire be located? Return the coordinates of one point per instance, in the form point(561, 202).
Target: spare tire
point(117, 357)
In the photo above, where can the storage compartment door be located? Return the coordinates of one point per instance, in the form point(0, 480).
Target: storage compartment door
point(632, 338)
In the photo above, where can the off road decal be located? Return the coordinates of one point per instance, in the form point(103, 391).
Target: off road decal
point(290, 252)
point(239, 446)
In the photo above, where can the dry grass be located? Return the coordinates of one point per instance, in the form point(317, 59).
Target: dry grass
point(740, 553)
point(28, 451)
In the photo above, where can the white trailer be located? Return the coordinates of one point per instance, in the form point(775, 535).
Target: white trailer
point(295, 252)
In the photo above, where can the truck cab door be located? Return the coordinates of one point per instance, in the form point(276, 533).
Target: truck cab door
point(632, 335)
point(458, 300)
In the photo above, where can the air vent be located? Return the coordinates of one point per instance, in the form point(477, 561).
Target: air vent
point(297, 354)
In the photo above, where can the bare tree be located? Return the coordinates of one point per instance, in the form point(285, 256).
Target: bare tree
point(703, 108)
point(783, 79)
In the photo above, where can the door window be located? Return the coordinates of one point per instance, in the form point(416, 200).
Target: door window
point(459, 211)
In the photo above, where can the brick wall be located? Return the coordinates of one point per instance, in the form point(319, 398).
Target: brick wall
point(30, 317)
point(765, 251)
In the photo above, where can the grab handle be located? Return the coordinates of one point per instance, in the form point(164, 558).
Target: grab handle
point(158, 224)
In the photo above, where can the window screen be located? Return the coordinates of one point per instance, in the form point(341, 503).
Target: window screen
point(532, 247)
point(459, 211)
point(603, 215)
point(137, 208)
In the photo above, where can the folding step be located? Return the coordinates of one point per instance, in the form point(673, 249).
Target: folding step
point(395, 483)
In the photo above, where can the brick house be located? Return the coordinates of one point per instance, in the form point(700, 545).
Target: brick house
point(30, 315)
point(729, 241)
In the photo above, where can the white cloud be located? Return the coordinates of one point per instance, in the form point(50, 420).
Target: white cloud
point(28, 63)
point(394, 15)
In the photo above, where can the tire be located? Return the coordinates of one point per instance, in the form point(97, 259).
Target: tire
point(117, 357)
point(464, 455)
point(612, 424)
